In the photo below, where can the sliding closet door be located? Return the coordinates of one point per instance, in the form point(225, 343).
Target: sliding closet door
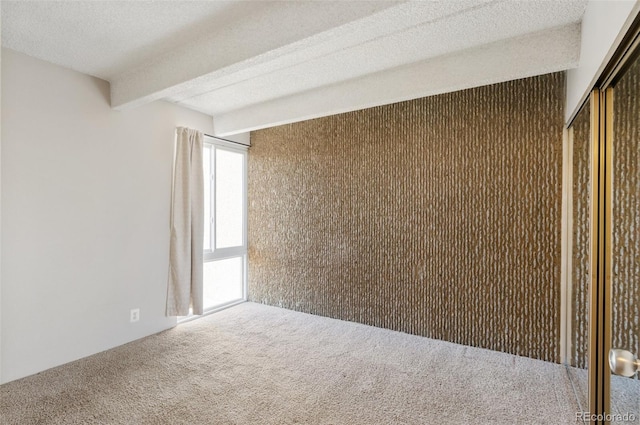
point(625, 241)
point(602, 243)
point(578, 222)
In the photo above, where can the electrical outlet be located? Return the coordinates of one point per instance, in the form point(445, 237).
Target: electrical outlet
point(135, 315)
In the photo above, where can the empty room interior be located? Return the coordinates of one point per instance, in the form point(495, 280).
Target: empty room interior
point(320, 212)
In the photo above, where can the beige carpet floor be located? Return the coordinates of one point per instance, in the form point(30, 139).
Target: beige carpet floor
point(254, 364)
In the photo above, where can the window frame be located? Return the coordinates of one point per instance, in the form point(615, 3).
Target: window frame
point(213, 253)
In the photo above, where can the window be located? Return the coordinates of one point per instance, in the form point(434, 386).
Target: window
point(225, 212)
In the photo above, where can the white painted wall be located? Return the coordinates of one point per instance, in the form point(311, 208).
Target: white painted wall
point(84, 215)
point(243, 138)
point(603, 26)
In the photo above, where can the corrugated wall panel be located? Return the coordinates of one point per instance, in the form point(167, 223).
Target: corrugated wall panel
point(438, 217)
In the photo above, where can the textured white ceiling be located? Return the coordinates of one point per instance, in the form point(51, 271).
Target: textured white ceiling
point(107, 38)
point(236, 60)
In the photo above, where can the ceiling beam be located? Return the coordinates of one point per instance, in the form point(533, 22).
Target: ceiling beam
point(257, 43)
point(534, 54)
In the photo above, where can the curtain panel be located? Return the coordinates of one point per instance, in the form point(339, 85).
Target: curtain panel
point(187, 226)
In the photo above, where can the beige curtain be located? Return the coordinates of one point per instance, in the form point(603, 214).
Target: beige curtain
point(187, 226)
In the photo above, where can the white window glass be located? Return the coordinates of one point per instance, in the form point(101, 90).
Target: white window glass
point(224, 242)
point(206, 163)
point(229, 182)
point(223, 281)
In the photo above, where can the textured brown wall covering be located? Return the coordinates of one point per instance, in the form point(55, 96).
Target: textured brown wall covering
point(626, 212)
point(438, 217)
point(581, 248)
